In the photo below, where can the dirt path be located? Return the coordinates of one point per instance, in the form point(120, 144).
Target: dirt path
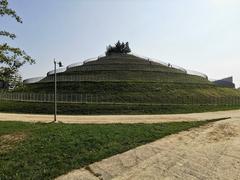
point(119, 118)
point(208, 152)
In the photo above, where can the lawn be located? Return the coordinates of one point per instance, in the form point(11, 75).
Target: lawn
point(45, 151)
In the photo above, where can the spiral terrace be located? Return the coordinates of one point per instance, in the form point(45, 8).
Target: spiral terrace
point(123, 67)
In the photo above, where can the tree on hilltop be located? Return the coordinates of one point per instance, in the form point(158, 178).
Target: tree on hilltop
point(119, 48)
point(11, 58)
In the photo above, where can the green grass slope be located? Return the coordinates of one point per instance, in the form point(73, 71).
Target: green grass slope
point(137, 92)
point(108, 108)
point(133, 83)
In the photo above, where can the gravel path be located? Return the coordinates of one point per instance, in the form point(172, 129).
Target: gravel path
point(119, 118)
point(208, 152)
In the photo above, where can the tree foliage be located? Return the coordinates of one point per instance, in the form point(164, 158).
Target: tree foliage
point(120, 48)
point(11, 58)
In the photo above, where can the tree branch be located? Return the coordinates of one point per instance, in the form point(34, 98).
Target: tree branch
point(4, 10)
point(14, 56)
point(7, 34)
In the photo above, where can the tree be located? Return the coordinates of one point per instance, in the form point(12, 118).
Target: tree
point(11, 58)
point(127, 48)
point(120, 48)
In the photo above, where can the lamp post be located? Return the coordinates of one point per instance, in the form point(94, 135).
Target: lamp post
point(55, 88)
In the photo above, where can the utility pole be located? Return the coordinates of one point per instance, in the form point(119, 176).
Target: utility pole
point(55, 88)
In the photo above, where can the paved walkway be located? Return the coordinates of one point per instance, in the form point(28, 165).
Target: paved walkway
point(119, 118)
point(209, 152)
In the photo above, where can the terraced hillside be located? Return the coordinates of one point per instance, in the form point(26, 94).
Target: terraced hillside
point(124, 68)
point(129, 77)
point(126, 84)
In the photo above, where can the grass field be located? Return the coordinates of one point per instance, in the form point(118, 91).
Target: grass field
point(107, 109)
point(45, 151)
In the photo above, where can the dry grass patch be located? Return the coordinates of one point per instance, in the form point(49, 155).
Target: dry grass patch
point(8, 141)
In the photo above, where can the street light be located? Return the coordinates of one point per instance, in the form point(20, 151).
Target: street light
point(55, 87)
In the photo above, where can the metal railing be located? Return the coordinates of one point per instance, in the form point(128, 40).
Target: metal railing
point(196, 73)
point(114, 99)
point(155, 76)
point(160, 62)
point(84, 62)
point(60, 70)
point(32, 80)
point(190, 72)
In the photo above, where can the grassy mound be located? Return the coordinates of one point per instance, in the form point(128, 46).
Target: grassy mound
point(128, 79)
point(125, 68)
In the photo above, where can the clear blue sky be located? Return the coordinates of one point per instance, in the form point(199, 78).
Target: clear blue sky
point(202, 35)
